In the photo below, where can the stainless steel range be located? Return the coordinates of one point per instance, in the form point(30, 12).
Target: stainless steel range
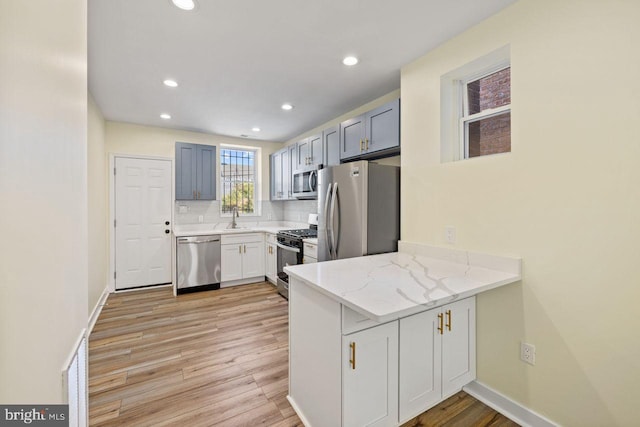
point(290, 252)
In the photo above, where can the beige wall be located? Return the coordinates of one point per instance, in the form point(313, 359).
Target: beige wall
point(565, 199)
point(362, 109)
point(125, 138)
point(98, 210)
point(43, 188)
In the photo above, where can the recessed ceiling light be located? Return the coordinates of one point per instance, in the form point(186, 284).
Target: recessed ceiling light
point(165, 116)
point(350, 60)
point(170, 83)
point(287, 107)
point(255, 129)
point(184, 4)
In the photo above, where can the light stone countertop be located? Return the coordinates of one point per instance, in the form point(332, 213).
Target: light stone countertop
point(188, 230)
point(417, 278)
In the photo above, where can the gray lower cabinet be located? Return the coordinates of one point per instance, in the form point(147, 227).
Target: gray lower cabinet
point(195, 171)
point(375, 133)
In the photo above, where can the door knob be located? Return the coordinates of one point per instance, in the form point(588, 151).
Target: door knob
point(167, 231)
point(166, 223)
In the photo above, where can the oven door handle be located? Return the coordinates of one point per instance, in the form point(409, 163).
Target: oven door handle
point(288, 248)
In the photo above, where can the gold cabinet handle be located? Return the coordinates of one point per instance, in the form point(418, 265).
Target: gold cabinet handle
point(352, 361)
point(440, 328)
point(240, 249)
point(245, 249)
point(194, 194)
point(448, 320)
point(366, 143)
point(198, 194)
point(361, 145)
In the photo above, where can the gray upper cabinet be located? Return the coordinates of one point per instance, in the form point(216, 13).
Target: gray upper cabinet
point(373, 134)
point(309, 153)
point(195, 171)
point(331, 137)
point(280, 174)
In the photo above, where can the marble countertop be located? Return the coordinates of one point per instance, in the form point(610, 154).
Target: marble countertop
point(418, 277)
point(188, 230)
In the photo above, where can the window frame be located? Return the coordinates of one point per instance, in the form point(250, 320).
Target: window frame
point(257, 174)
point(454, 117)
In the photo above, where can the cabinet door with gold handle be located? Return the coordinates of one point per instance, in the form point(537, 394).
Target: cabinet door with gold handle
point(352, 360)
point(448, 324)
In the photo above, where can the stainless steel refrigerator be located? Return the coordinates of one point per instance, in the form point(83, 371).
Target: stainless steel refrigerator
point(358, 210)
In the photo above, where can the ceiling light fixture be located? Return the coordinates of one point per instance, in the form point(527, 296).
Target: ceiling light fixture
point(287, 107)
point(255, 129)
point(170, 83)
point(184, 4)
point(350, 60)
point(165, 116)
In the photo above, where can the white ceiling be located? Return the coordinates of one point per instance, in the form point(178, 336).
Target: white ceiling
point(238, 61)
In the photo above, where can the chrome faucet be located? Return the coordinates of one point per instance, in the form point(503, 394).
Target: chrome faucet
point(234, 215)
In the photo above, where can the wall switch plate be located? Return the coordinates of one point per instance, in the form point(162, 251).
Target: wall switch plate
point(200, 219)
point(450, 234)
point(528, 353)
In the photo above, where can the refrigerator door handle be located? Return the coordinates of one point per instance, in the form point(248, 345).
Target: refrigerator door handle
point(334, 243)
point(327, 226)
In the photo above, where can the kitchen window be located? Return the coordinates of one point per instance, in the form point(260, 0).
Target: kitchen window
point(238, 184)
point(476, 108)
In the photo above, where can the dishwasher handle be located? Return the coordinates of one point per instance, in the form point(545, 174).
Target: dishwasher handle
point(185, 240)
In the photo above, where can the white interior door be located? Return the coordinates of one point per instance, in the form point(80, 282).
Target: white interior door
point(143, 214)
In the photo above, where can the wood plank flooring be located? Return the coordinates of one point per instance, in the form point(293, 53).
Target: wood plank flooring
point(216, 358)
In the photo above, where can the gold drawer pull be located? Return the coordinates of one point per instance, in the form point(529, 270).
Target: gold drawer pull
point(448, 320)
point(440, 328)
point(352, 361)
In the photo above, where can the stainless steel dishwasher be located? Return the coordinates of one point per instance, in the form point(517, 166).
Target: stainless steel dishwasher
point(198, 263)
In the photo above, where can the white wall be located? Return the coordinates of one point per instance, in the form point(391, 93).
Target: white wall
point(43, 188)
point(98, 207)
point(566, 199)
point(125, 138)
point(362, 109)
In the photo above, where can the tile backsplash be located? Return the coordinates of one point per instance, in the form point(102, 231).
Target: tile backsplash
point(208, 211)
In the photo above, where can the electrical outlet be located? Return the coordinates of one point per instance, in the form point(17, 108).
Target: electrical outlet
point(269, 216)
point(450, 234)
point(528, 353)
point(200, 219)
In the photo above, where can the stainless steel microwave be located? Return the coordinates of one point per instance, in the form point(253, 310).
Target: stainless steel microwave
point(305, 185)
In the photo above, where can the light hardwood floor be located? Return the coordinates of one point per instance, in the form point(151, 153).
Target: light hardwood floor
point(210, 358)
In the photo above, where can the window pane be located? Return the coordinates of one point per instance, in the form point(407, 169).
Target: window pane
point(491, 135)
point(238, 179)
point(491, 91)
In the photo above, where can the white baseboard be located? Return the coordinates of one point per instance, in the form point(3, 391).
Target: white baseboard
point(97, 309)
point(298, 411)
point(507, 407)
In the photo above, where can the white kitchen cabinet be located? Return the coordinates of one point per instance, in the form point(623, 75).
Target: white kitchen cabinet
point(271, 259)
point(437, 356)
point(402, 368)
point(370, 377)
point(242, 258)
point(309, 253)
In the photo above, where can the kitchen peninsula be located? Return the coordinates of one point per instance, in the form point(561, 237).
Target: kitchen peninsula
point(379, 339)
